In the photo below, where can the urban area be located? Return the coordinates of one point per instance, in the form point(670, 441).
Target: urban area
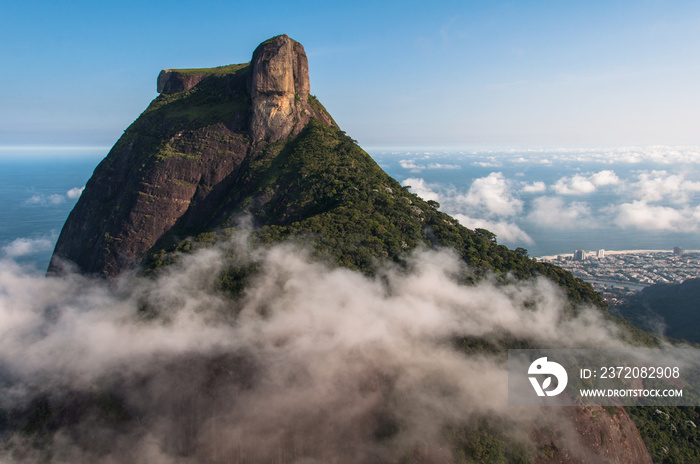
point(617, 274)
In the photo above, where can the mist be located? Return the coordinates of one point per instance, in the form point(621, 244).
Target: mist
point(309, 363)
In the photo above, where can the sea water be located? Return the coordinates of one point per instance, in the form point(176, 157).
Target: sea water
point(38, 189)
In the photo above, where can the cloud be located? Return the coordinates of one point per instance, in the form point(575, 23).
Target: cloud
point(491, 196)
point(581, 185)
point(41, 199)
point(310, 361)
point(553, 212)
point(665, 155)
point(421, 188)
point(487, 164)
point(75, 192)
point(27, 246)
point(413, 167)
point(602, 178)
point(410, 165)
point(535, 187)
point(641, 215)
point(443, 166)
point(657, 186)
point(505, 231)
point(54, 198)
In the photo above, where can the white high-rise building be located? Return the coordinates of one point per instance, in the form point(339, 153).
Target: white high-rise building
point(600, 254)
point(579, 255)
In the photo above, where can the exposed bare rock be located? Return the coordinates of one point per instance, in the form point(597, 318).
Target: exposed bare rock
point(279, 90)
point(173, 80)
point(585, 434)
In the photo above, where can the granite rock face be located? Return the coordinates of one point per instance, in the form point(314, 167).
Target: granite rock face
point(174, 81)
point(279, 89)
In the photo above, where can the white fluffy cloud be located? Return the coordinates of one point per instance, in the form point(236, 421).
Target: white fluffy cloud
point(488, 204)
point(555, 213)
point(421, 188)
point(581, 185)
point(75, 192)
point(660, 185)
point(641, 215)
point(27, 246)
point(410, 165)
point(505, 231)
point(308, 355)
point(534, 187)
point(491, 196)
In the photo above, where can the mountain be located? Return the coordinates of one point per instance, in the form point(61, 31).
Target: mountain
point(247, 149)
point(668, 309)
point(250, 141)
point(178, 163)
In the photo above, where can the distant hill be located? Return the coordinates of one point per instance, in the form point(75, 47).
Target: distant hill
point(669, 309)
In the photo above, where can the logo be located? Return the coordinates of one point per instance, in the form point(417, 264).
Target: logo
point(543, 367)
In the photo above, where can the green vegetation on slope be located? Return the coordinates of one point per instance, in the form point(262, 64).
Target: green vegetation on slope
point(321, 189)
point(215, 71)
point(670, 433)
point(217, 99)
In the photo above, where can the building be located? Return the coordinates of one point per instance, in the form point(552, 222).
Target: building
point(678, 251)
point(579, 255)
point(600, 254)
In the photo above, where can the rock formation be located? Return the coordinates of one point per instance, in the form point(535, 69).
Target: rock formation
point(174, 81)
point(279, 89)
point(181, 157)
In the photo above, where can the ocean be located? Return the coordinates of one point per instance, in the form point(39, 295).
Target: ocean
point(547, 201)
point(38, 189)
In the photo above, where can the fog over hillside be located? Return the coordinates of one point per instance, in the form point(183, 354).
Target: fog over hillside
point(310, 360)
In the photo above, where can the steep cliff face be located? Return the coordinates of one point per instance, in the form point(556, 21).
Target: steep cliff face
point(279, 90)
point(174, 81)
point(181, 157)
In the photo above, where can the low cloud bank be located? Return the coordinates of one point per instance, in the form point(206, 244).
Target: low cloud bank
point(644, 200)
point(309, 364)
point(27, 246)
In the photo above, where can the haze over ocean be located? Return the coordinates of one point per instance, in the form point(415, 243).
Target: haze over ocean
point(547, 201)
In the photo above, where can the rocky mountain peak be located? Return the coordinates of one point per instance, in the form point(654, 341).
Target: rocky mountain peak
point(176, 168)
point(279, 89)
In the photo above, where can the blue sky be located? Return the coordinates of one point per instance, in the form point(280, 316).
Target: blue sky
point(466, 74)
